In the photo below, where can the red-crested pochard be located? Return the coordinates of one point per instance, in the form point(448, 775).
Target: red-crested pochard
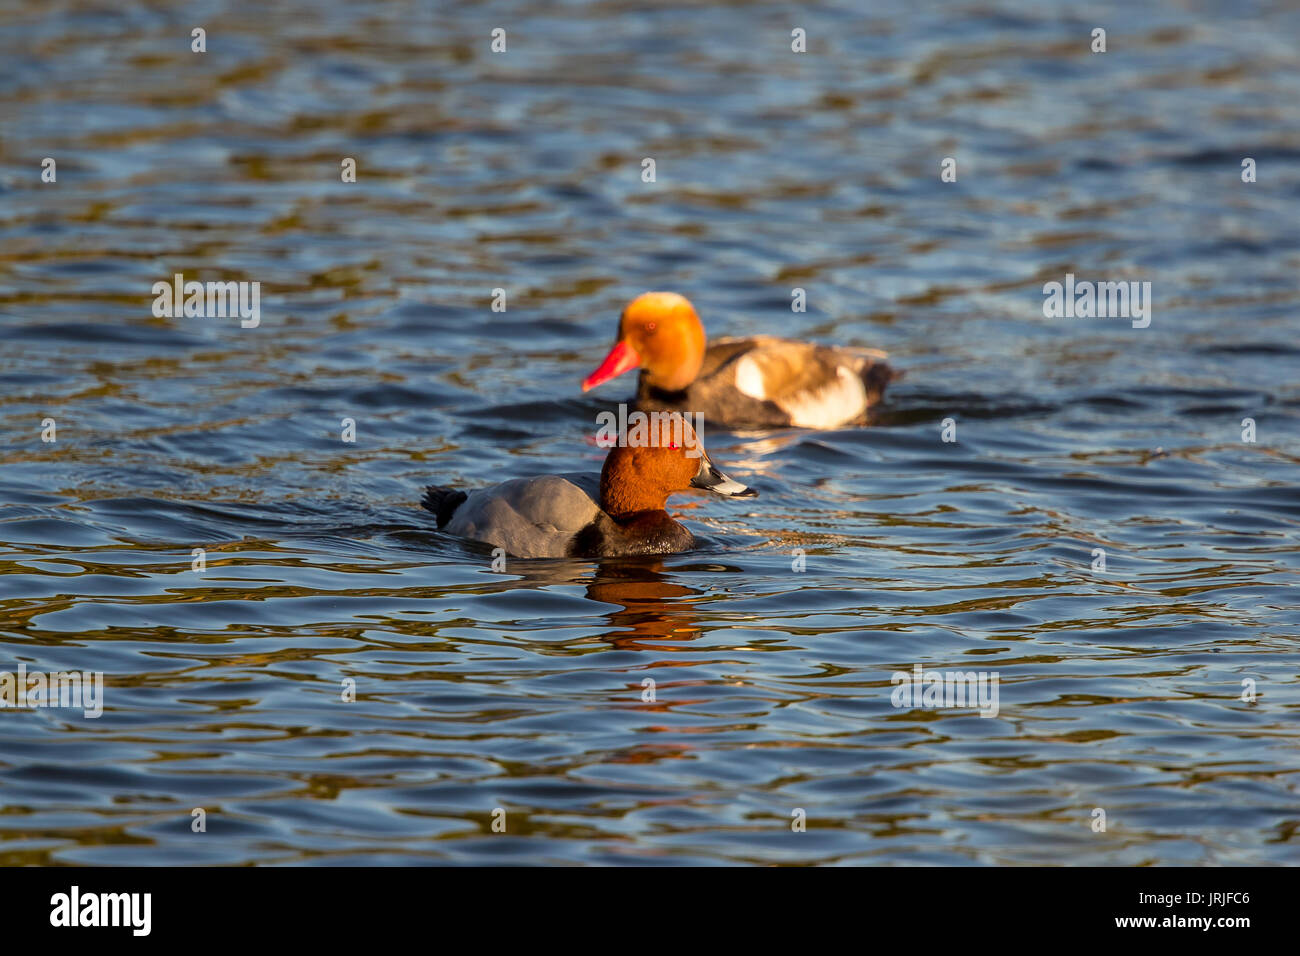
point(553, 516)
point(756, 382)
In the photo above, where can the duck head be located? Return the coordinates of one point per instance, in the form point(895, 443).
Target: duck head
point(660, 333)
point(639, 476)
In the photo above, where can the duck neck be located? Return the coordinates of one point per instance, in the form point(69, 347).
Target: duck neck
point(627, 504)
point(665, 396)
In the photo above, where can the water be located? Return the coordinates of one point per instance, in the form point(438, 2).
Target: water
point(522, 690)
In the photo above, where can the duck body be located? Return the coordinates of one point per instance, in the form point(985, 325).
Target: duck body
point(576, 516)
point(756, 382)
point(552, 516)
point(767, 382)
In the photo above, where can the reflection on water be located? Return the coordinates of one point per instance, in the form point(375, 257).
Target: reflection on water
point(652, 607)
point(770, 650)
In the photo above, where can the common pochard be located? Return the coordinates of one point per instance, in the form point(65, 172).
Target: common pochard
point(552, 516)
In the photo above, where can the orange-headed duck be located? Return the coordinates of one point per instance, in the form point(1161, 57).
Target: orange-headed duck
point(757, 382)
point(552, 516)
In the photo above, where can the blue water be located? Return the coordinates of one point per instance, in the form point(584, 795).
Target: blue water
point(522, 690)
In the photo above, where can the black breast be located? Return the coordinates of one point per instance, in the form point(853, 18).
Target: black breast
point(647, 532)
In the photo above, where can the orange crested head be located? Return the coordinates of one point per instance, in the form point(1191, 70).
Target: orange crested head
point(660, 333)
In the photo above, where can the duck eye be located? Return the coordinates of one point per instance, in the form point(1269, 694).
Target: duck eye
point(650, 326)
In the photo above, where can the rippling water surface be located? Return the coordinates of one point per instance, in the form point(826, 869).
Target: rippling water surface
point(523, 690)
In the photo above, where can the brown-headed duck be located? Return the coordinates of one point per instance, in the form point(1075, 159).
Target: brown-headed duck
point(756, 382)
point(554, 516)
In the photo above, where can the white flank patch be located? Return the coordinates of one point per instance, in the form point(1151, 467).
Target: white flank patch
point(749, 378)
point(833, 404)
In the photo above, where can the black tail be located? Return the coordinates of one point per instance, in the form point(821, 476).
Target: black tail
point(876, 376)
point(443, 502)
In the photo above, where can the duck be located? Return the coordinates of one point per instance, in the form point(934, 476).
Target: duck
point(574, 516)
point(756, 382)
